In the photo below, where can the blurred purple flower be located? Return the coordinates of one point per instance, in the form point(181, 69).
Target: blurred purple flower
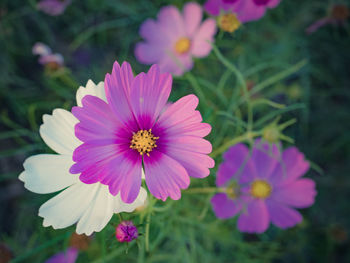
point(175, 38)
point(53, 61)
point(263, 186)
point(53, 7)
point(126, 231)
point(68, 256)
point(246, 10)
point(337, 16)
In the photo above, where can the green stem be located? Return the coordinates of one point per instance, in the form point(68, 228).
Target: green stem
point(242, 82)
point(204, 190)
point(148, 222)
point(196, 87)
point(245, 137)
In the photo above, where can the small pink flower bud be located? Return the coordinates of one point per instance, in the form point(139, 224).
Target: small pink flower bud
point(126, 231)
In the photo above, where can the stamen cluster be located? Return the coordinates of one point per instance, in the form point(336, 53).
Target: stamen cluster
point(143, 141)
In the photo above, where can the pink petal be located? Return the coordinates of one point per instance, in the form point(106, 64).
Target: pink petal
point(146, 106)
point(188, 143)
point(300, 193)
point(248, 11)
point(225, 207)
point(97, 121)
point(265, 158)
point(178, 111)
point(283, 216)
point(292, 166)
point(165, 177)
point(196, 164)
point(192, 15)
point(125, 175)
point(273, 3)
point(117, 87)
point(255, 219)
point(201, 42)
point(153, 33)
point(148, 53)
point(170, 19)
point(234, 160)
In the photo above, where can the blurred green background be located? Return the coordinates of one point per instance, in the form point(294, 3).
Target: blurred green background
point(91, 35)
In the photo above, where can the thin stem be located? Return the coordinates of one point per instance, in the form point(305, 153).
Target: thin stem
point(196, 87)
point(242, 82)
point(148, 222)
point(245, 137)
point(204, 190)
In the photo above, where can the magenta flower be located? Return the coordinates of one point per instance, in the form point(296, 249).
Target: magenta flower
point(69, 256)
point(246, 10)
point(264, 186)
point(53, 7)
point(126, 231)
point(133, 128)
point(174, 39)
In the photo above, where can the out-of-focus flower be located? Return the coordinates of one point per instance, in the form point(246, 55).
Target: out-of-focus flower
point(229, 22)
point(245, 10)
point(175, 38)
point(134, 129)
point(264, 186)
point(80, 242)
point(53, 7)
point(338, 15)
point(68, 256)
point(126, 231)
point(91, 206)
point(5, 254)
point(46, 58)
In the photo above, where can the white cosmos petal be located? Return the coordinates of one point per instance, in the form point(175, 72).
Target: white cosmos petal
point(58, 131)
point(120, 206)
point(68, 207)
point(48, 173)
point(99, 212)
point(91, 89)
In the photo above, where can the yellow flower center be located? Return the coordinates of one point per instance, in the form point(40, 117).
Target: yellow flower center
point(183, 45)
point(229, 22)
point(260, 189)
point(143, 141)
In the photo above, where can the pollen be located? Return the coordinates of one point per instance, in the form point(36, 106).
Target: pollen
point(143, 141)
point(260, 189)
point(229, 22)
point(183, 45)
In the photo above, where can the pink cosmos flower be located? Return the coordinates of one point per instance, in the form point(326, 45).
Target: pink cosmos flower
point(69, 256)
point(132, 128)
point(126, 231)
point(53, 7)
point(246, 10)
point(175, 38)
point(264, 186)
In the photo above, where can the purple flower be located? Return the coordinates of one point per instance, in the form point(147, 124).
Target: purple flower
point(132, 128)
point(126, 231)
point(175, 38)
point(69, 256)
point(246, 10)
point(52, 61)
point(264, 186)
point(53, 7)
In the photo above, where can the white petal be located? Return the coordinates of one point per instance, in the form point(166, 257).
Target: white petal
point(69, 206)
point(98, 214)
point(91, 89)
point(120, 206)
point(58, 131)
point(47, 173)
